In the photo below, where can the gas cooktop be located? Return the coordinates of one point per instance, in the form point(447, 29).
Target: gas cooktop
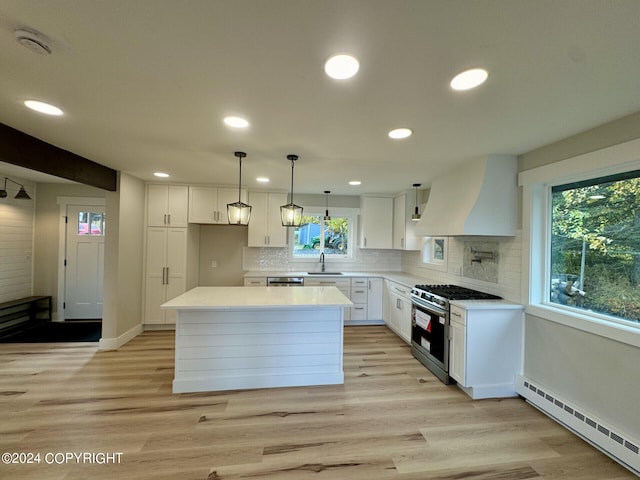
point(454, 292)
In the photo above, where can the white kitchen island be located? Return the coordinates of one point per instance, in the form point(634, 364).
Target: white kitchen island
point(231, 338)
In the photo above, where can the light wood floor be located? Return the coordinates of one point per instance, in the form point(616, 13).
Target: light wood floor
point(390, 420)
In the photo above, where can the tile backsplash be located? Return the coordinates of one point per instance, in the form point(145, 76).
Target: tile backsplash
point(277, 259)
point(488, 264)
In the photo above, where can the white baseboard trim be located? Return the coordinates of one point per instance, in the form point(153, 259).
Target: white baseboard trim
point(115, 343)
point(611, 440)
point(211, 383)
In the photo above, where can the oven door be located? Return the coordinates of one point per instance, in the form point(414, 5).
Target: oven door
point(430, 339)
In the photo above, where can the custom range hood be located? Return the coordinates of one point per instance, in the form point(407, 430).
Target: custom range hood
point(479, 197)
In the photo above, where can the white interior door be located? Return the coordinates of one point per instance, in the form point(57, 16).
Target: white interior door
point(84, 260)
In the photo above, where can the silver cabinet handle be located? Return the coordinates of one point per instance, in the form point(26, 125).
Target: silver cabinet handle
point(456, 314)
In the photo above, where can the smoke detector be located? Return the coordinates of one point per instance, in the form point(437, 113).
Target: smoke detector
point(34, 41)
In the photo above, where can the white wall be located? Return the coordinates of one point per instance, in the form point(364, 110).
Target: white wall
point(16, 241)
point(122, 311)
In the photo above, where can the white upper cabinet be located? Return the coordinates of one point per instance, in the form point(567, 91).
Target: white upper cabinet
point(403, 226)
point(167, 205)
point(265, 226)
point(376, 222)
point(209, 204)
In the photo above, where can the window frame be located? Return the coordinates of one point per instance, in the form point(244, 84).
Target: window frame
point(350, 213)
point(536, 249)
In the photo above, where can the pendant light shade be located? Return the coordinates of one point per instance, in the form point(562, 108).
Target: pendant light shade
point(291, 214)
point(239, 213)
point(22, 193)
point(326, 205)
point(416, 216)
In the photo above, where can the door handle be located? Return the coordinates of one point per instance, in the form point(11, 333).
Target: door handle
point(167, 276)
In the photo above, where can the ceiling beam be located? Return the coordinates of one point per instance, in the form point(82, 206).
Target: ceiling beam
point(18, 148)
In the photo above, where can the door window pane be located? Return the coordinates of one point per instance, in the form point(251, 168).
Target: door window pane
point(91, 223)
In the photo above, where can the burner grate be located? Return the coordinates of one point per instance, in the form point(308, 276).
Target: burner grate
point(455, 292)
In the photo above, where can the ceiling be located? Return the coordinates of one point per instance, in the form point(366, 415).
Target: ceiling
point(145, 84)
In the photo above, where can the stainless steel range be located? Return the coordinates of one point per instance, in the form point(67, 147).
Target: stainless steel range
point(430, 324)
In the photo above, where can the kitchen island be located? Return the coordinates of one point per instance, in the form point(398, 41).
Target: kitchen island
point(230, 338)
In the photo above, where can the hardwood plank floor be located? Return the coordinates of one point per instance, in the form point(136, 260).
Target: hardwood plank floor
point(391, 419)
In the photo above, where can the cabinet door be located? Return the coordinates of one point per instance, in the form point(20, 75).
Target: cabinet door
point(276, 233)
point(203, 204)
point(405, 320)
point(399, 215)
point(257, 231)
point(457, 352)
point(226, 196)
point(376, 222)
point(157, 200)
point(178, 205)
point(374, 299)
point(155, 274)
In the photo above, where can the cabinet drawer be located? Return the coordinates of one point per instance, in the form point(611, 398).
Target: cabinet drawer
point(400, 290)
point(358, 294)
point(255, 282)
point(359, 312)
point(458, 315)
point(328, 282)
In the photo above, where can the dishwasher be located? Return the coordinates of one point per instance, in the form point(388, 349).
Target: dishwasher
point(285, 281)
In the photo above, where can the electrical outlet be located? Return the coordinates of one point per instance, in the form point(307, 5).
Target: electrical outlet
point(214, 263)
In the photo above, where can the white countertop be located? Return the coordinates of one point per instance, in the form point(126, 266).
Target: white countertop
point(226, 298)
point(406, 279)
point(486, 304)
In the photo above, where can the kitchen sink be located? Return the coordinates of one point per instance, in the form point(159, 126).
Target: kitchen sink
point(324, 273)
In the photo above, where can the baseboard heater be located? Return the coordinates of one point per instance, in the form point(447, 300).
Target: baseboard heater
point(618, 445)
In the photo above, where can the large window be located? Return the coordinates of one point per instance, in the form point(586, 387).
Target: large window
point(316, 235)
point(595, 246)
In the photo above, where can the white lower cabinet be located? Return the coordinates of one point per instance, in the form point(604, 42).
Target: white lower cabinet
point(365, 292)
point(485, 351)
point(397, 309)
point(166, 266)
point(342, 283)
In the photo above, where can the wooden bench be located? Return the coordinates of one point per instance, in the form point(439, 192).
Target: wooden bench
point(24, 312)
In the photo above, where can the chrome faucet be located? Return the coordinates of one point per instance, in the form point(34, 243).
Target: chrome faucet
point(322, 260)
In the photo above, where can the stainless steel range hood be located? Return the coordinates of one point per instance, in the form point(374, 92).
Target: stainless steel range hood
point(477, 198)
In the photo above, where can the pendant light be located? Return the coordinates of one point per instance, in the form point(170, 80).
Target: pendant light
point(326, 205)
point(291, 214)
point(416, 216)
point(22, 193)
point(238, 213)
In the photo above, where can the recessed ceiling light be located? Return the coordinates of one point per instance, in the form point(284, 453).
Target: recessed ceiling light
point(469, 79)
point(398, 133)
point(262, 180)
point(236, 122)
point(341, 66)
point(42, 107)
point(161, 174)
point(355, 182)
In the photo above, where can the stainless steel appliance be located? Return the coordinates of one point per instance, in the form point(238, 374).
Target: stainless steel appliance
point(285, 281)
point(430, 324)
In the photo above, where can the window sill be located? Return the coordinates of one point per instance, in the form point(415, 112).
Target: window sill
point(613, 331)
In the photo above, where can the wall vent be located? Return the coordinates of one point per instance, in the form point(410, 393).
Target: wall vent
point(611, 440)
